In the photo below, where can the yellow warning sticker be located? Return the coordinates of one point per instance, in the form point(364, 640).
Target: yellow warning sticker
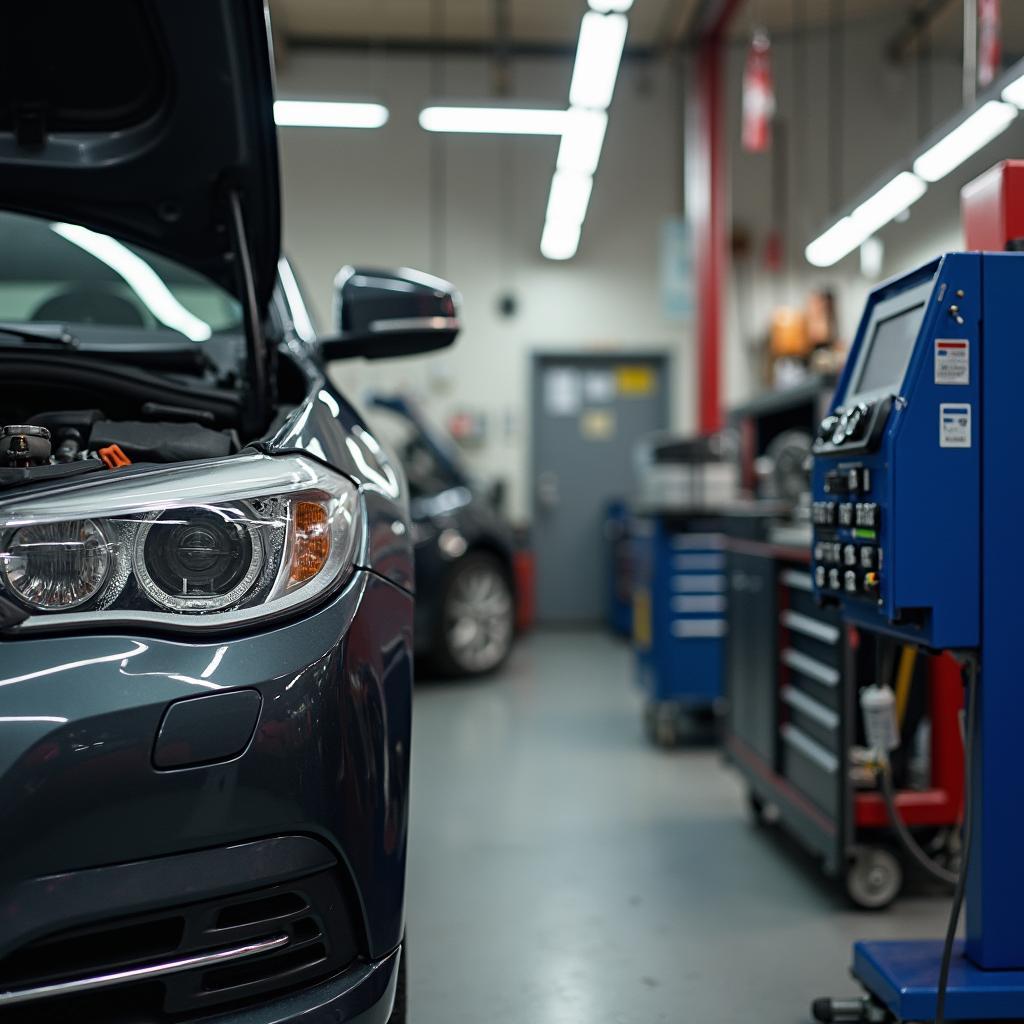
point(635, 381)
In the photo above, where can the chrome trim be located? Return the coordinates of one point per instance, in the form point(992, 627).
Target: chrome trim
point(687, 629)
point(798, 580)
point(698, 604)
point(814, 628)
point(807, 666)
point(806, 704)
point(65, 988)
point(415, 323)
point(815, 752)
point(693, 584)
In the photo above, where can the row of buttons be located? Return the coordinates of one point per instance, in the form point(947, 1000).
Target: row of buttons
point(835, 553)
point(865, 514)
point(845, 425)
point(849, 481)
point(850, 581)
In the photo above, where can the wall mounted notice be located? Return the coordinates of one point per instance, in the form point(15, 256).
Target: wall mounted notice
point(952, 361)
point(563, 391)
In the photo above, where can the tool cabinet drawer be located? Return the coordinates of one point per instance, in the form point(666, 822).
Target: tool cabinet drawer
point(811, 767)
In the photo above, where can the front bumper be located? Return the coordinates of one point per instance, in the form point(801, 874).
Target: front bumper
point(317, 800)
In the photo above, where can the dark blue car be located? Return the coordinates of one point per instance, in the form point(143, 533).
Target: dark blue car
point(206, 560)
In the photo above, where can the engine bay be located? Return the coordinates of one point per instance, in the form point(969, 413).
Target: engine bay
point(61, 443)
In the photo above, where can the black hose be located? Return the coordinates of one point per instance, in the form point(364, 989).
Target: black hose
point(961, 882)
point(906, 838)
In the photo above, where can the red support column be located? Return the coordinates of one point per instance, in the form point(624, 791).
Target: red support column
point(706, 205)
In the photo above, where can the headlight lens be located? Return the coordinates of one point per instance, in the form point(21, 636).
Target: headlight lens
point(56, 566)
point(233, 540)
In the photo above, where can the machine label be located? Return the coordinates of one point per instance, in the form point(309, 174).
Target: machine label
point(954, 426)
point(952, 361)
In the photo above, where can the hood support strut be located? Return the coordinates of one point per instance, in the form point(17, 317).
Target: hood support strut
point(258, 385)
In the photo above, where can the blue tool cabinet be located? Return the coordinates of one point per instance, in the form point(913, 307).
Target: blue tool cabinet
point(679, 619)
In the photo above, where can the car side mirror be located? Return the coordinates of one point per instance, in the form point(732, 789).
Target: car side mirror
point(381, 314)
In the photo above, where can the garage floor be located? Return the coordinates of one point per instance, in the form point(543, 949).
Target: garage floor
point(564, 871)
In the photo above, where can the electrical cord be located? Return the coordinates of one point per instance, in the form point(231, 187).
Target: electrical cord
point(961, 882)
point(904, 834)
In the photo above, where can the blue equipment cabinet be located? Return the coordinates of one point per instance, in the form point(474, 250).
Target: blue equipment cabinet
point(678, 619)
point(917, 496)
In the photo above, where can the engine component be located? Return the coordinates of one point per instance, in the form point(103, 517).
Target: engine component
point(163, 442)
point(24, 445)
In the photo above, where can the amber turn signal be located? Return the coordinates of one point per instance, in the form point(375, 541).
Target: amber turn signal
point(311, 543)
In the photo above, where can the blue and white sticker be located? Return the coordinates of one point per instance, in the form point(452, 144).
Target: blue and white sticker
point(952, 361)
point(954, 425)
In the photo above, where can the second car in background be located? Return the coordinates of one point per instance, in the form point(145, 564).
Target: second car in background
point(466, 590)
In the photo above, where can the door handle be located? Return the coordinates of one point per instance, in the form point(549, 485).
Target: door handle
point(548, 496)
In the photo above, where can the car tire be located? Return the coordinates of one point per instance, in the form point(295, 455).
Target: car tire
point(477, 617)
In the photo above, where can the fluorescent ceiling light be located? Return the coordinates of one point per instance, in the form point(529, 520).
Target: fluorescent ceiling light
point(569, 197)
point(582, 140)
point(888, 203)
point(610, 6)
point(493, 120)
point(602, 37)
point(560, 240)
point(140, 277)
point(316, 114)
point(840, 240)
point(1014, 93)
point(965, 140)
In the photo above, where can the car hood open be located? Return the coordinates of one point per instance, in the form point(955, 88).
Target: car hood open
point(139, 119)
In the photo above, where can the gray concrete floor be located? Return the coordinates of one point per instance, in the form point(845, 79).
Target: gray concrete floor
point(564, 871)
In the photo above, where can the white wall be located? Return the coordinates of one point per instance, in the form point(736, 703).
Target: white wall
point(366, 197)
point(880, 129)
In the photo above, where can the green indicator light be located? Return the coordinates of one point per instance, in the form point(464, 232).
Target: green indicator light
point(865, 534)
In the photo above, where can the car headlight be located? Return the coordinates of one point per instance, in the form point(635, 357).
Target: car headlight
point(204, 546)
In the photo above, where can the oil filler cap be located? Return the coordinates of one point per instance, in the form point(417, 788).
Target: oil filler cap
point(207, 729)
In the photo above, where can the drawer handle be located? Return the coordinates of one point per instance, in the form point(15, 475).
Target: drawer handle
point(815, 752)
point(807, 665)
point(806, 704)
point(814, 628)
point(798, 580)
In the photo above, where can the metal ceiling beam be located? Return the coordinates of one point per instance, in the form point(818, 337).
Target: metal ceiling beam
point(448, 47)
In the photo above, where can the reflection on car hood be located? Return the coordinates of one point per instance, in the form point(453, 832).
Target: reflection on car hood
point(137, 118)
point(440, 504)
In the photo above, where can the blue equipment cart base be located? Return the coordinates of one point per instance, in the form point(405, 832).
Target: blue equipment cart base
point(904, 976)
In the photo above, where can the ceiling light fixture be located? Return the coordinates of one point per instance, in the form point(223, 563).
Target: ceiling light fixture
point(598, 54)
point(610, 6)
point(893, 199)
point(569, 197)
point(1014, 93)
point(582, 140)
point(493, 120)
point(321, 114)
point(977, 131)
point(560, 240)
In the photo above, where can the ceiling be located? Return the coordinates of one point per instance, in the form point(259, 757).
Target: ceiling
point(554, 24)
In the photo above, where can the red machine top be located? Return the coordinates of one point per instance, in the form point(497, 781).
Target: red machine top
point(992, 209)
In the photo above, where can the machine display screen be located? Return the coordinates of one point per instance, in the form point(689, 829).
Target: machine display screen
point(887, 357)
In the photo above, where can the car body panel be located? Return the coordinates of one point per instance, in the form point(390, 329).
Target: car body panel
point(329, 758)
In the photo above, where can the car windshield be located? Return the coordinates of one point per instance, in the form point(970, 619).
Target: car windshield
point(65, 273)
point(427, 473)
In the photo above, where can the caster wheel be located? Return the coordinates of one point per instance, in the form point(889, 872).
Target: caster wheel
point(874, 879)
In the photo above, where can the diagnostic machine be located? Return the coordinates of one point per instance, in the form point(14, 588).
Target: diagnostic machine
point(918, 499)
